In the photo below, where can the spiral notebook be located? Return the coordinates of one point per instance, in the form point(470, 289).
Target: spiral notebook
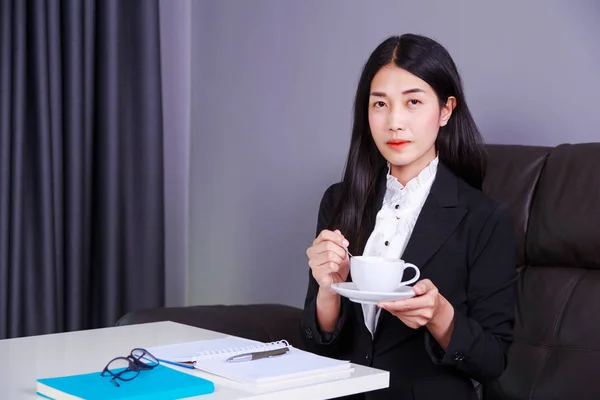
point(210, 356)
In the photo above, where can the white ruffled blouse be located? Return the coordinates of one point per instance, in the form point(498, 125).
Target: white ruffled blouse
point(395, 222)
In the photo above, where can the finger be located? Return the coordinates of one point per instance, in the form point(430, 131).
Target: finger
point(414, 303)
point(327, 256)
point(329, 246)
point(310, 252)
point(405, 306)
point(335, 237)
point(426, 313)
point(345, 242)
point(327, 268)
point(326, 234)
point(414, 323)
point(332, 256)
point(423, 286)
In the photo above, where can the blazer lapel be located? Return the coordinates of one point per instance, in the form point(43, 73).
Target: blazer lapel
point(439, 217)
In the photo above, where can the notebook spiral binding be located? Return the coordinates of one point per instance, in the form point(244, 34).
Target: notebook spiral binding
point(233, 351)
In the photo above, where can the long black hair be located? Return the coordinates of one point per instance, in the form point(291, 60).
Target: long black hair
point(459, 143)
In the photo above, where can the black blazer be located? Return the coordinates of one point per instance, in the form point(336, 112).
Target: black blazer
point(465, 244)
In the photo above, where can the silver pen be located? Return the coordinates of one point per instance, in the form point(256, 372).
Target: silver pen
point(257, 355)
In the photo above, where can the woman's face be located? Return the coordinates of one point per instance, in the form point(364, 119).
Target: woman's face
point(405, 117)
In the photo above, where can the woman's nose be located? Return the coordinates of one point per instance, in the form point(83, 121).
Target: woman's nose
point(397, 120)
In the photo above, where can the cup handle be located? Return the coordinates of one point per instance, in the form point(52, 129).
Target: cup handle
point(416, 277)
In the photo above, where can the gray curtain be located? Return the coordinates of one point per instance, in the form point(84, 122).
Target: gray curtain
point(81, 164)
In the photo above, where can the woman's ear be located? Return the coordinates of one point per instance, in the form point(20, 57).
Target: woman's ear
point(447, 109)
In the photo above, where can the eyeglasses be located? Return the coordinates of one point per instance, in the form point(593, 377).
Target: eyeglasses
point(127, 368)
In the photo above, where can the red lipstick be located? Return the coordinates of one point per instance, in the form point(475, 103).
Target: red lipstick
point(397, 143)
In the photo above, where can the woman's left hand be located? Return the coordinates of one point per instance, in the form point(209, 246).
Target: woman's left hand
point(422, 310)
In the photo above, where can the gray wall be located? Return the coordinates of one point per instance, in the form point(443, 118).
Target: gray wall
point(271, 96)
point(176, 47)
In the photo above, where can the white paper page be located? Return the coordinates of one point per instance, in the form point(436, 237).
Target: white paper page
point(295, 364)
point(188, 351)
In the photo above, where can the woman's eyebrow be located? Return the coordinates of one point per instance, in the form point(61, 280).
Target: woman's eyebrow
point(408, 91)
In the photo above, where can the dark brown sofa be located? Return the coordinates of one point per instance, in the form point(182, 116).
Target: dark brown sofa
point(554, 196)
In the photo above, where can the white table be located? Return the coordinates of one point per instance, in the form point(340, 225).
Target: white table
point(26, 359)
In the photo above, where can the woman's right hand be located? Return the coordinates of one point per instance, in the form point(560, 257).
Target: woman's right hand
point(328, 260)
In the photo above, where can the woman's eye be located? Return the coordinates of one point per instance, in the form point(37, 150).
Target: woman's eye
point(413, 102)
point(379, 104)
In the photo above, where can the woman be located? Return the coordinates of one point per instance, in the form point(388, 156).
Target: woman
point(412, 190)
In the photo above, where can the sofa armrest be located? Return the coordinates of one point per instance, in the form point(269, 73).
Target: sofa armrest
point(262, 322)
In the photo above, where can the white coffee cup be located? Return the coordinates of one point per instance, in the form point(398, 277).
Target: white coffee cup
point(379, 274)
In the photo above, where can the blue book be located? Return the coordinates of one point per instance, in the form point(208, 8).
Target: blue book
point(158, 383)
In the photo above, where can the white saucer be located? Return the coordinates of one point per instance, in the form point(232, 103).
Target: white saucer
point(349, 290)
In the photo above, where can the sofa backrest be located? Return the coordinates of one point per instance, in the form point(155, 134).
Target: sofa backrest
point(554, 198)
